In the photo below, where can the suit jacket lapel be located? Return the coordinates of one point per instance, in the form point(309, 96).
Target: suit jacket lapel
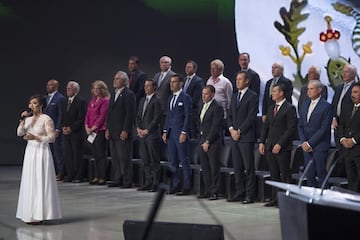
point(148, 105)
point(208, 110)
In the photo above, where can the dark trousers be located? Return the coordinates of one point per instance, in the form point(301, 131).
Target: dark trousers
point(244, 168)
point(279, 166)
point(318, 167)
point(193, 127)
point(99, 152)
point(210, 165)
point(352, 166)
point(57, 153)
point(179, 153)
point(150, 154)
point(121, 152)
point(340, 165)
point(73, 156)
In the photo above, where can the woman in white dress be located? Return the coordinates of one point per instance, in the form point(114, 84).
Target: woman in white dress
point(38, 197)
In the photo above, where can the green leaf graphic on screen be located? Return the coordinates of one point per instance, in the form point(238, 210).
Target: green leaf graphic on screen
point(223, 8)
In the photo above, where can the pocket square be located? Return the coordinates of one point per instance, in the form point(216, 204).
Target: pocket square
point(180, 104)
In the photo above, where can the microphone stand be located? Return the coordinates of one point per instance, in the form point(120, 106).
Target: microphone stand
point(155, 208)
point(327, 177)
point(304, 173)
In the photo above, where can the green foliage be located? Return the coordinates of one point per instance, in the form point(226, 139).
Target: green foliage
point(291, 20)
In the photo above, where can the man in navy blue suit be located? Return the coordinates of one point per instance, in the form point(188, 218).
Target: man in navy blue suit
point(314, 131)
point(175, 135)
point(54, 104)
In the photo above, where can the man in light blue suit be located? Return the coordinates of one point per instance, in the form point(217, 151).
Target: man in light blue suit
point(314, 131)
point(175, 135)
point(54, 103)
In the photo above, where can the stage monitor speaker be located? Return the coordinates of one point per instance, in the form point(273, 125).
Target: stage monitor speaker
point(133, 230)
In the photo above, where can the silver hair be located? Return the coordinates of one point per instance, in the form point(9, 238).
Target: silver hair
point(124, 77)
point(317, 69)
point(316, 83)
point(352, 68)
point(75, 85)
point(280, 65)
point(167, 58)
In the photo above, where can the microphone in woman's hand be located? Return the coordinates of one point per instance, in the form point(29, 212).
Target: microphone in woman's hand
point(25, 114)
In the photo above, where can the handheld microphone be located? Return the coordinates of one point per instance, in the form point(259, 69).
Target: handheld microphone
point(25, 116)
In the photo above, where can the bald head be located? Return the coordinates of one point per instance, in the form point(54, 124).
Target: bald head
point(52, 86)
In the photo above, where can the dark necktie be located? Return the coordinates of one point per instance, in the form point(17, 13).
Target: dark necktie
point(145, 106)
point(172, 103)
point(276, 109)
point(355, 108)
point(68, 105)
point(238, 99)
point(131, 78)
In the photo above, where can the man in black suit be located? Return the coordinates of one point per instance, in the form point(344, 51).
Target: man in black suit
point(342, 98)
point(136, 78)
point(162, 80)
point(254, 79)
point(73, 130)
point(349, 133)
point(192, 86)
point(148, 130)
point(120, 122)
point(276, 138)
point(313, 74)
point(241, 123)
point(54, 105)
point(277, 71)
point(211, 122)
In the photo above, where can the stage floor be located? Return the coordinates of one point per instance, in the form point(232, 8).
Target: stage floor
point(98, 212)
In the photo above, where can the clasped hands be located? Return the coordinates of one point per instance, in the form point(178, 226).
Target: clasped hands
point(347, 142)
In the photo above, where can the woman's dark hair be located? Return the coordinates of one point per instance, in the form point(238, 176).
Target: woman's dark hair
point(40, 98)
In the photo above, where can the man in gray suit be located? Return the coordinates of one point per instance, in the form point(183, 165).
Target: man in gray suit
point(162, 80)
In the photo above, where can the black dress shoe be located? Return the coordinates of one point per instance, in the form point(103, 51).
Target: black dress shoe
point(173, 190)
point(183, 192)
point(271, 204)
point(247, 201)
point(154, 188)
point(68, 179)
point(101, 182)
point(205, 195)
point(126, 186)
point(144, 188)
point(113, 184)
point(213, 197)
point(236, 198)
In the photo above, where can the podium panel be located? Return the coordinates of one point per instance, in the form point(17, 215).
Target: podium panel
point(133, 230)
point(302, 220)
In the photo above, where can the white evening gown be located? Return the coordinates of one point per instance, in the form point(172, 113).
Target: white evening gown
point(38, 197)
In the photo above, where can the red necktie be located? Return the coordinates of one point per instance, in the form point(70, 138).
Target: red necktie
point(131, 78)
point(276, 109)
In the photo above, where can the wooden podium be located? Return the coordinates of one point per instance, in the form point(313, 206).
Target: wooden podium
point(306, 214)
